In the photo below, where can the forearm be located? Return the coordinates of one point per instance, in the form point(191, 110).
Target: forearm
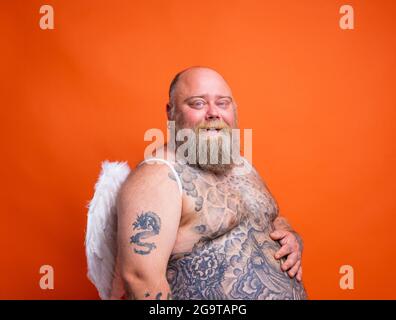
point(140, 288)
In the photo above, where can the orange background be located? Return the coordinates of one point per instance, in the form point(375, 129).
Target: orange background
point(320, 101)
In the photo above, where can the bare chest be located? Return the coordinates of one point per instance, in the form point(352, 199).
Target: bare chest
point(213, 206)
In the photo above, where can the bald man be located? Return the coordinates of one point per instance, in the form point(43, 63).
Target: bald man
point(200, 230)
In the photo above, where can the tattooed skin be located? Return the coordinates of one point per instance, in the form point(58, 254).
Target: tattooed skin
point(150, 223)
point(227, 221)
point(158, 296)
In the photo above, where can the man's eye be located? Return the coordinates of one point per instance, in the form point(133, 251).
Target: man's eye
point(223, 103)
point(198, 104)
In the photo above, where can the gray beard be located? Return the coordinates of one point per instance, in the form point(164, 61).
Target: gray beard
point(214, 155)
point(210, 154)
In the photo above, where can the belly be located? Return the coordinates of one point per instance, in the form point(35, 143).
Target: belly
point(238, 265)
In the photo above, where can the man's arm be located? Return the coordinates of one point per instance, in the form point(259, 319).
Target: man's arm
point(149, 209)
point(292, 247)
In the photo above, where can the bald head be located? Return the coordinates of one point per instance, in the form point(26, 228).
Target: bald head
point(191, 75)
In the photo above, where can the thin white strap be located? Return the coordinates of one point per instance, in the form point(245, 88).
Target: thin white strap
point(179, 184)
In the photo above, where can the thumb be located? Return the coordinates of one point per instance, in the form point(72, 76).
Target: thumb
point(277, 234)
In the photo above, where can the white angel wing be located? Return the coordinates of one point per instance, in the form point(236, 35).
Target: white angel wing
point(101, 235)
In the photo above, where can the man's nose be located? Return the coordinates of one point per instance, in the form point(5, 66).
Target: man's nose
point(212, 112)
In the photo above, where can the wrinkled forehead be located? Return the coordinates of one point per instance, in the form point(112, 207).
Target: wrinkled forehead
point(199, 82)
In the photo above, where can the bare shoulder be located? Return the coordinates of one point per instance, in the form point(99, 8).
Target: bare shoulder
point(150, 180)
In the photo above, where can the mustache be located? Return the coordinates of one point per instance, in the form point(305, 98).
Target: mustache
point(215, 124)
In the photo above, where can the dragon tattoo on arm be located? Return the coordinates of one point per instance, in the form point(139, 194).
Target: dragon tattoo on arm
point(148, 224)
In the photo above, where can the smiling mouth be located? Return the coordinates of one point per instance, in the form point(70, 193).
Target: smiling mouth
point(211, 131)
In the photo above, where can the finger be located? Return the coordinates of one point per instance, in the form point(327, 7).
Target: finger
point(283, 251)
point(299, 274)
point(291, 240)
point(288, 238)
point(295, 239)
point(293, 271)
point(285, 240)
point(290, 262)
point(278, 234)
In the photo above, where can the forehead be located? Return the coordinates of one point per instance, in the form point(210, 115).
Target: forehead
point(201, 82)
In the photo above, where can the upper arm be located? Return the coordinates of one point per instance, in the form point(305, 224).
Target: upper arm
point(264, 187)
point(149, 210)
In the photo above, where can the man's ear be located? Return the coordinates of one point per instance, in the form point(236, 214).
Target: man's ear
point(169, 111)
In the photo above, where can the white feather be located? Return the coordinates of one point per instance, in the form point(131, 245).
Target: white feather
point(101, 235)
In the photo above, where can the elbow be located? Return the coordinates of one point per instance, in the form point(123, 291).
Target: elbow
point(137, 283)
point(139, 279)
point(131, 277)
point(133, 282)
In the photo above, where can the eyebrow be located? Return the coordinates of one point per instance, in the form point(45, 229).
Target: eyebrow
point(204, 96)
